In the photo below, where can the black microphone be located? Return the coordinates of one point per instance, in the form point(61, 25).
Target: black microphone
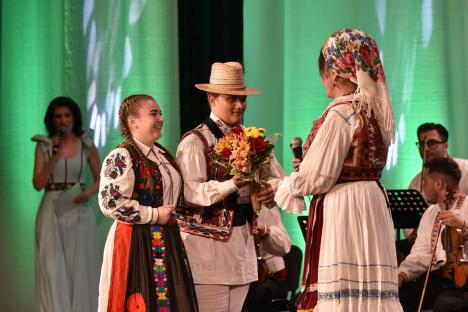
point(55, 147)
point(296, 147)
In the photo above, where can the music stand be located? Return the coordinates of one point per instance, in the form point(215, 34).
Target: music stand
point(407, 207)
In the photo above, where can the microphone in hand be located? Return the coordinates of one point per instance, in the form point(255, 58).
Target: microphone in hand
point(56, 147)
point(296, 147)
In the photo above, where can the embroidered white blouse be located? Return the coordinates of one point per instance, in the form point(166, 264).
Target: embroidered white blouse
point(117, 182)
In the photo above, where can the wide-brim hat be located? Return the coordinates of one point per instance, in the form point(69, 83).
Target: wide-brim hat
point(227, 78)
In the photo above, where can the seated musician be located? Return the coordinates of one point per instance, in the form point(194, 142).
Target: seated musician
point(449, 209)
point(273, 243)
point(432, 143)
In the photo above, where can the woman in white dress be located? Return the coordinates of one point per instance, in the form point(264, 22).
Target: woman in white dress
point(67, 258)
point(350, 259)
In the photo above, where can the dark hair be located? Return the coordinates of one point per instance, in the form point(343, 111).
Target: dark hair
point(429, 126)
point(321, 63)
point(63, 101)
point(447, 167)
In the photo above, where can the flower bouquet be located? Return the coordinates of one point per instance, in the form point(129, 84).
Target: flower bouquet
point(245, 152)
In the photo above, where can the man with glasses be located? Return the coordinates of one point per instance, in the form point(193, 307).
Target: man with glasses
point(433, 144)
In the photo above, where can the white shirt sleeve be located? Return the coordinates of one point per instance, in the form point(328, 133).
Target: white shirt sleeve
point(192, 163)
point(116, 189)
point(417, 262)
point(278, 243)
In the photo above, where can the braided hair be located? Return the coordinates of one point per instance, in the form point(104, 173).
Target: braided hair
point(130, 106)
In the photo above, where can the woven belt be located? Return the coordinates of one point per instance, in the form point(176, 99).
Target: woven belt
point(61, 186)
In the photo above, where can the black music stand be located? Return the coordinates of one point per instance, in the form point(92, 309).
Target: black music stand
point(407, 207)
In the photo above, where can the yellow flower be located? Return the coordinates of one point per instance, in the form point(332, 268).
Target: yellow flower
point(254, 133)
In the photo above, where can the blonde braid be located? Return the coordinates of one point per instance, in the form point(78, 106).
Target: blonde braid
point(129, 107)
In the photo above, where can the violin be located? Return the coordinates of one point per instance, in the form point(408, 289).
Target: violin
point(456, 267)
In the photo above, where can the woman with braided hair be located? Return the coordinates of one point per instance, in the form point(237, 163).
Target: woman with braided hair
point(145, 267)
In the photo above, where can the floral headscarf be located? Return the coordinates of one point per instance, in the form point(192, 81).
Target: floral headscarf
point(353, 54)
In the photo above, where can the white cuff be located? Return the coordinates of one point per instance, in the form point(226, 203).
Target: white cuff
point(286, 200)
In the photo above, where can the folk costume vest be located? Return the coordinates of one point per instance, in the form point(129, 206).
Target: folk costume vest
point(365, 161)
point(215, 221)
point(150, 268)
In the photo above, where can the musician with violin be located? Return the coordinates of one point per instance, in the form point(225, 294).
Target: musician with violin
point(272, 243)
point(439, 248)
point(432, 143)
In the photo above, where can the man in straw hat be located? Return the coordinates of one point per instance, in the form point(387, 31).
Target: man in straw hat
point(217, 230)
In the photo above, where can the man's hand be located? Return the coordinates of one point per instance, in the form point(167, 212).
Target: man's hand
point(239, 182)
point(450, 218)
point(266, 194)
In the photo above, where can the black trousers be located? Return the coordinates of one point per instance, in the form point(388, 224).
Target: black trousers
point(440, 296)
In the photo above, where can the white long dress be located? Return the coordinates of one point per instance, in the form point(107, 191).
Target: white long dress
point(67, 258)
point(357, 267)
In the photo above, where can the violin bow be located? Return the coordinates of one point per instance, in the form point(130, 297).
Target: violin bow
point(446, 202)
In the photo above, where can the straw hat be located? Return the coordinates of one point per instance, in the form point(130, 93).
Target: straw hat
point(227, 78)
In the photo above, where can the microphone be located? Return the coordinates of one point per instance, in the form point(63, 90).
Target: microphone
point(55, 147)
point(296, 147)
